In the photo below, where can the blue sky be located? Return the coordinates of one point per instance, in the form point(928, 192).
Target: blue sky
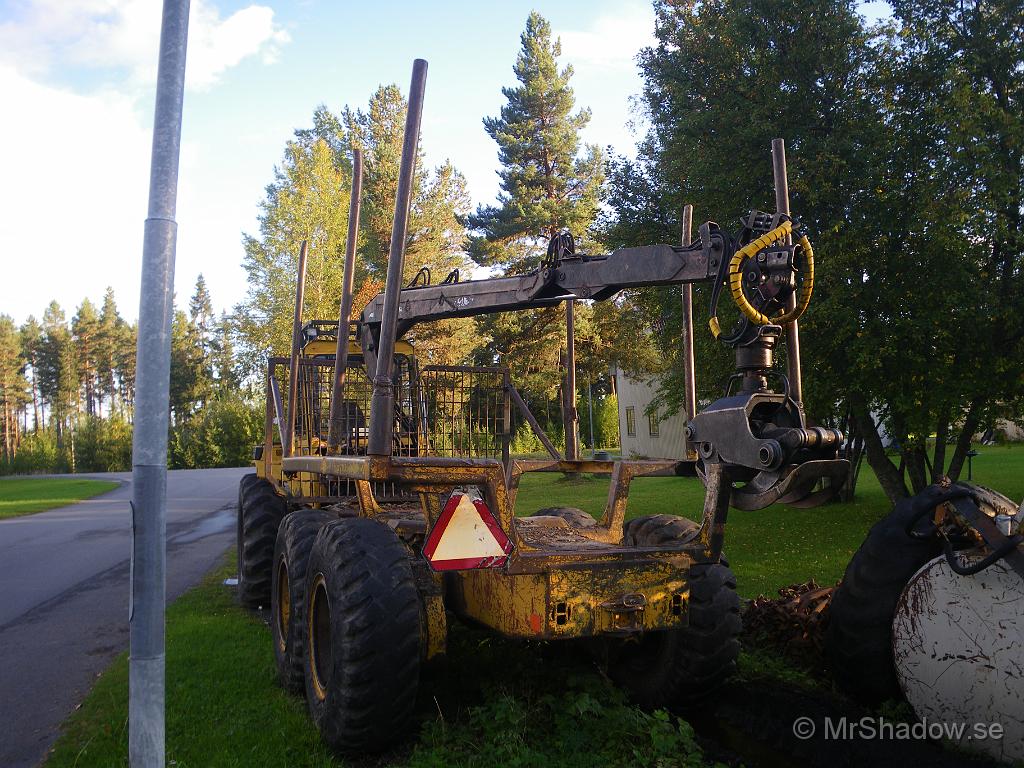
point(76, 77)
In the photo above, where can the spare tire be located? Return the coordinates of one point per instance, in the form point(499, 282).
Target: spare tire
point(572, 515)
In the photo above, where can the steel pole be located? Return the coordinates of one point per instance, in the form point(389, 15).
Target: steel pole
point(293, 364)
point(689, 360)
point(337, 417)
point(572, 448)
point(590, 411)
point(796, 387)
point(146, 694)
point(382, 404)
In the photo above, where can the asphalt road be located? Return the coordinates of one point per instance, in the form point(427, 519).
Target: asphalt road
point(64, 595)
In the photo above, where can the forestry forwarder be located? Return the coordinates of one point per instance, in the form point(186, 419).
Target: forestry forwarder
point(361, 593)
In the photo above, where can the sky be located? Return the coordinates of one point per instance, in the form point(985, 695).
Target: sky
point(77, 79)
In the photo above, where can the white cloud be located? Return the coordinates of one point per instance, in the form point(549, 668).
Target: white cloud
point(603, 56)
point(123, 36)
point(77, 82)
point(73, 201)
point(613, 39)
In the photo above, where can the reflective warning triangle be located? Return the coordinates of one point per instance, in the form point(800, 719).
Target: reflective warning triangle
point(466, 535)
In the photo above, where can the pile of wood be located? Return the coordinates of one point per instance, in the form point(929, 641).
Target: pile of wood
point(794, 622)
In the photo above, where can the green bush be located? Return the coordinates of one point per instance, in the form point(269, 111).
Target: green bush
point(38, 453)
point(220, 435)
point(606, 422)
point(103, 445)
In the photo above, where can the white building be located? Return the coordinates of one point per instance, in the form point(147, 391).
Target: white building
point(643, 436)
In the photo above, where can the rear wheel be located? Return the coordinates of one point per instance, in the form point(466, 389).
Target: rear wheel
point(858, 641)
point(364, 628)
point(259, 516)
point(287, 599)
point(681, 666)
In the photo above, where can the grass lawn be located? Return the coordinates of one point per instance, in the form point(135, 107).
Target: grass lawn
point(26, 495)
point(500, 702)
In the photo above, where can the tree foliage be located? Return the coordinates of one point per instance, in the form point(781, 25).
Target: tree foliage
point(905, 164)
point(76, 381)
point(309, 200)
point(549, 184)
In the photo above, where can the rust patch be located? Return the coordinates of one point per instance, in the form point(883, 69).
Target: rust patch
point(535, 623)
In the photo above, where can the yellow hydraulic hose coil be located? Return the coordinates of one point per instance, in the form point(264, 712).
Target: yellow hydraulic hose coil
point(736, 280)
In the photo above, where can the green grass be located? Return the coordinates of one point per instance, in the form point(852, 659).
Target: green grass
point(500, 703)
point(27, 495)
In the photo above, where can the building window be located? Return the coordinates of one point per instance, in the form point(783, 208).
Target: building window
point(652, 424)
point(631, 421)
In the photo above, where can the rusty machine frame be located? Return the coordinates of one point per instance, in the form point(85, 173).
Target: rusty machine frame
point(563, 577)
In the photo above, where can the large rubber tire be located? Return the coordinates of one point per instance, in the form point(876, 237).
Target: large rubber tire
point(259, 516)
point(245, 485)
point(858, 641)
point(573, 516)
point(364, 629)
point(288, 593)
point(681, 667)
point(658, 530)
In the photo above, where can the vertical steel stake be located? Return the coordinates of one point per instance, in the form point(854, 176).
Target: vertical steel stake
point(149, 441)
point(293, 368)
point(590, 410)
point(337, 416)
point(382, 403)
point(689, 375)
point(796, 387)
point(570, 419)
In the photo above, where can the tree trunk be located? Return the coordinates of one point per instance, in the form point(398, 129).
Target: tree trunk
point(35, 399)
point(854, 454)
point(888, 475)
point(915, 460)
point(963, 441)
point(939, 457)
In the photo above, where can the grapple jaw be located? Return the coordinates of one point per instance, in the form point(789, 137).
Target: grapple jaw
point(766, 451)
point(799, 485)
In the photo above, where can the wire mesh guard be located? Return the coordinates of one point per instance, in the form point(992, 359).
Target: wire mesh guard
point(452, 411)
point(439, 410)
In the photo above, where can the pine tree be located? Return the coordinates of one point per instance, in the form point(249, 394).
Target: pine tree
point(85, 328)
point(188, 386)
point(124, 360)
point(227, 377)
point(201, 311)
point(547, 185)
point(109, 337)
point(31, 338)
point(13, 385)
point(58, 368)
point(202, 326)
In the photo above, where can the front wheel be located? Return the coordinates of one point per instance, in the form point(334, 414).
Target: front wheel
point(259, 514)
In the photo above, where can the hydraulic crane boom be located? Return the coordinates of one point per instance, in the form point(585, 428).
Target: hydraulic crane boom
point(557, 280)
